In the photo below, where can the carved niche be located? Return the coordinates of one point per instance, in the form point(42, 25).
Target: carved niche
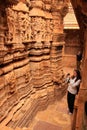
point(18, 23)
point(24, 26)
point(38, 28)
point(49, 26)
point(10, 33)
point(38, 24)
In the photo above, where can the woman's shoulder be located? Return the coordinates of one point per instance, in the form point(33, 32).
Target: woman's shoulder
point(72, 79)
point(79, 80)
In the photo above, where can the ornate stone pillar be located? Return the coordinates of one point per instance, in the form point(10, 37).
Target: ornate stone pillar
point(79, 121)
point(46, 50)
point(59, 9)
point(2, 54)
point(37, 52)
point(37, 38)
point(15, 69)
point(7, 75)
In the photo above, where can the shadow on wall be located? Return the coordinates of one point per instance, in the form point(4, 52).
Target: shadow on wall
point(86, 108)
point(69, 61)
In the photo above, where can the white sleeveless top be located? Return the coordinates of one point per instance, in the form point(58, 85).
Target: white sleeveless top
point(72, 87)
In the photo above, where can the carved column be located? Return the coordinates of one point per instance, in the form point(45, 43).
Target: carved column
point(15, 69)
point(58, 11)
point(2, 54)
point(7, 76)
point(80, 8)
point(47, 49)
point(37, 52)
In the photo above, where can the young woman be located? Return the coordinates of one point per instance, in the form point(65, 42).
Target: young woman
point(72, 89)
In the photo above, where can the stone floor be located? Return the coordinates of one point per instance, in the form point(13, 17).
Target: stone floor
point(55, 117)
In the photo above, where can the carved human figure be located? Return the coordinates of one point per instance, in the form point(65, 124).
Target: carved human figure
point(24, 25)
point(49, 29)
point(38, 28)
point(11, 25)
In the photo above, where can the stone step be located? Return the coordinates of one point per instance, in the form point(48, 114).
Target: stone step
point(8, 128)
point(5, 128)
point(42, 125)
point(17, 128)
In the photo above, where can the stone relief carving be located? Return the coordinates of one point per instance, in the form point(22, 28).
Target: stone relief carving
point(49, 29)
point(24, 26)
point(11, 26)
point(18, 23)
point(38, 28)
point(10, 83)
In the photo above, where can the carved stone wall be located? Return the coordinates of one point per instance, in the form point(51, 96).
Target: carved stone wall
point(72, 46)
point(31, 42)
point(72, 41)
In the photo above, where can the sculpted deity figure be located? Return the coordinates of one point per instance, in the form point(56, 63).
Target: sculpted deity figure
point(10, 25)
point(24, 26)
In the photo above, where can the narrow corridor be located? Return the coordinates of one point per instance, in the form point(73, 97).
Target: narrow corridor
point(55, 117)
point(38, 38)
